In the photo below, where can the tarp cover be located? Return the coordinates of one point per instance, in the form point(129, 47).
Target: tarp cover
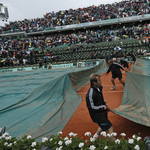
point(135, 104)
point(41, 102)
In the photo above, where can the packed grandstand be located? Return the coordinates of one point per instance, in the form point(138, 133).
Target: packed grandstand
point(77, 34)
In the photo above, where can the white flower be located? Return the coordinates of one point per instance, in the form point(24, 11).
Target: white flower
point(130, 141)
point(87, 134)
point(44, 139)
point(139, 138)
point(60, 142)
point(68, 142)
point(71, 134)
point(123, 134)
point(6, 143)
point(60, 132)
point(103, 133)
point(137, 147)
point(92, 147)
point(114, 134)
point(5, 134)
point(34, 149)
point(117, 141)
point(14, 142)
point(50, 139)
point(59, 148)
point(81, 145)
point(92, 139)
point(8, 138)
point(75, 134)
point(66, 138)
point(106, 147)
point(29, 137)
point(109, 135)
point(133, 136)
point(0, 137)
point(9, 145)
point(33, 144)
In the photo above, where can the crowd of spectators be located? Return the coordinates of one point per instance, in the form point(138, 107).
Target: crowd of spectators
point(21, 51)
point(19, 58)
point(115, 32)
point(53, 19)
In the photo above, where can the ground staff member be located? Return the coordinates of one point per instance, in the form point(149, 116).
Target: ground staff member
point(124, 63)
point(97, 106)
point(116, 73)
point(133, 56)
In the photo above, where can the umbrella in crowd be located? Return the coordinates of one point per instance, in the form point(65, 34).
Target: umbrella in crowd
point(48, 54)
point(118, 38)
point(98, 30)
point(144, 51)
point(144, 38)
point(125, 36)
point(117, 48)
point(3, 60)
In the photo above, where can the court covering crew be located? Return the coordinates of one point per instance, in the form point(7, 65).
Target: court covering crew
point(97, 107)
point(124, 63)
point(116, 72)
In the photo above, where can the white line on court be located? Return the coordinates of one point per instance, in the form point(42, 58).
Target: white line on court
point(107, 85)
point(104, 92)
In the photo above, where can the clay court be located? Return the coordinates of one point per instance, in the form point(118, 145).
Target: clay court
point(81, 122)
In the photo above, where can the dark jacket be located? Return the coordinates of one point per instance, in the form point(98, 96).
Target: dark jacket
point(115, 69)
point(133, 56)
point(124, 62)
point(95, 103)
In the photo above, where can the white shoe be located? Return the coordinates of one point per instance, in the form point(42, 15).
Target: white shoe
point(114, 87)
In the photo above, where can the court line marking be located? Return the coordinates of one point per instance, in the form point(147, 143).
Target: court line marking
point(107, 85)
point(104, 92)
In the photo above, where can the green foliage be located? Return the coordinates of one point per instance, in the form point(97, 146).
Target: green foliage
point(72, 142)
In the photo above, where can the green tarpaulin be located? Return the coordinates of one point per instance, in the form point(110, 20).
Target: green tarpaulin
point(135, 104)
point(41, 102)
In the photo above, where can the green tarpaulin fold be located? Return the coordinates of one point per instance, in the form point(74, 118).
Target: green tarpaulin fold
point(135, 104)
point(41, 102)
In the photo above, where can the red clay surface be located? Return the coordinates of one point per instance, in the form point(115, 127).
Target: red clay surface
point(80, 123)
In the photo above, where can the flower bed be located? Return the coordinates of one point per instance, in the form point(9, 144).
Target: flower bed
point(72, 142)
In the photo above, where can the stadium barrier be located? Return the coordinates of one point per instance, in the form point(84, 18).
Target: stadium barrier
point(54, 66)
